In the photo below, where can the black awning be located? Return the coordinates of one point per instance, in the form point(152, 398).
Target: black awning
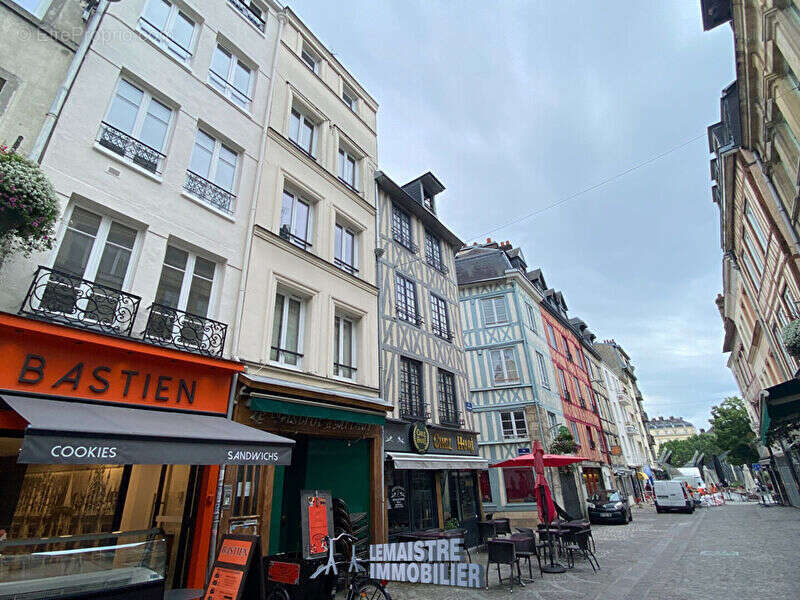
point(62, 432)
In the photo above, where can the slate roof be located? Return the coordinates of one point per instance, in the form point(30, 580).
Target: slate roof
point(477, 264)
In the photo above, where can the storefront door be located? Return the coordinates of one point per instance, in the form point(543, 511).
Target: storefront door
point(175, 505)
point(423, 500)
point(592, 479)
point(461, 503)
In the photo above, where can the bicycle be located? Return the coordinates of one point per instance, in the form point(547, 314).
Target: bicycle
point(359, 585)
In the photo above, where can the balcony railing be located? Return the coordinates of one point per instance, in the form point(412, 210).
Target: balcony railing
point(209, 192)
point(415, 410)
point(129, 147)
point(438, 265)
point(294, 239)
point(248, 13)
point(404, 241)
point(409, 317)
point(70, 300)
point(286, 356)
point(345, 266)
point(167, 326)
point(341, 370)
point(450, 417)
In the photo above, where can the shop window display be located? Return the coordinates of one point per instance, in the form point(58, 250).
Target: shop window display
point(519, 484)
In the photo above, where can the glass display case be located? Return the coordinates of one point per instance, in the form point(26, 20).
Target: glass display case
point(117, 565)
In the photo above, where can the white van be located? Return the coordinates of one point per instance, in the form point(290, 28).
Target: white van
point(672, 495)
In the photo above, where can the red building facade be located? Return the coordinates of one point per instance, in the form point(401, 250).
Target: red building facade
point(574, 383)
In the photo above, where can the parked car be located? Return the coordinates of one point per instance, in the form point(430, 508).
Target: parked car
point(673, 495)
point(607, 506)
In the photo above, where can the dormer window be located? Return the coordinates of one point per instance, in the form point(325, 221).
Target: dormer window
point(427, 201)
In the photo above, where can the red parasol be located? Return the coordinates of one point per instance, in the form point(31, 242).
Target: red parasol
point(548, 460)
point(547, 510)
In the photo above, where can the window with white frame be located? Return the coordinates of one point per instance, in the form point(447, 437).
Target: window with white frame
point(310, 58)
point(348, 168)
point(755, 254)
point(296, 220)
point(212, 171)
point(504, 366)
point(345, 249)
point(405, 297)
point(531, 316)
point(574, 427)
point(563, 381)
point(513, 424)
point(287, 329)
point(186, 284)
point(350, 98)
point(579, 391)
point(232, 77)
point(440, 319)
point(494, 311)
point(344, 347)
point(302, 130)
point(97, 249)
point(136, 126)
point(543, 370)
point(552, 335)
point(36, 7)
point(552, 420)
point(170, 27)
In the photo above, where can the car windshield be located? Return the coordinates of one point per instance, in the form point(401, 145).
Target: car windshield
point(607, 496)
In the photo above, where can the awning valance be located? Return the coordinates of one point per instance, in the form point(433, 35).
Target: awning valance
point(318, 410)
point(66, 432)
point(779, 403)
point(436, 462)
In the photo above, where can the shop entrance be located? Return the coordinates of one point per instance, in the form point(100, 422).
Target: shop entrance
point(460, 502)
point(341, 466)
point(592, 479)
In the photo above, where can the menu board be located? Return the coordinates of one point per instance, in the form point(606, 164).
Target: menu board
point(316, 522)
point(237, 572)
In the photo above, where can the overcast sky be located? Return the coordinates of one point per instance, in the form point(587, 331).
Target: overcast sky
point(517, 105)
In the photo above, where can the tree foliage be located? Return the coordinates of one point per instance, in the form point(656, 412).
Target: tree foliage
point(563, 442)
point(730, 432)
point(731, 427)
point(683, 450)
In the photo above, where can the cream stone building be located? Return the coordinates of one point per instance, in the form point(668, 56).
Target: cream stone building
point(756, 151)
point(671, 428)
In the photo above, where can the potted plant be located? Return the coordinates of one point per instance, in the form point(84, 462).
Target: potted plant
point(563, 443)
point(28, 205)
point(791, 338)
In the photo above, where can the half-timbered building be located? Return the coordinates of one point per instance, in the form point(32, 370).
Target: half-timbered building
point(431, 446)
point(512, 383)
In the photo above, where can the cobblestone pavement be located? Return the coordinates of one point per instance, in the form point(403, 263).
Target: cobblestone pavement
point(737, 551)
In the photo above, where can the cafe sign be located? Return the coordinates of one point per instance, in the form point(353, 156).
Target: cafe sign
point(422, 438)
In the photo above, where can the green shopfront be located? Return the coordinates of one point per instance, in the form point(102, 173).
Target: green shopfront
point(431, 479)
point(337, 448)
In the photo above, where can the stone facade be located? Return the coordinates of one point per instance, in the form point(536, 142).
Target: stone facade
point(672, 428)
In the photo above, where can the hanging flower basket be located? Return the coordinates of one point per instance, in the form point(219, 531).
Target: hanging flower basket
point(791, 338)
point(28, 205)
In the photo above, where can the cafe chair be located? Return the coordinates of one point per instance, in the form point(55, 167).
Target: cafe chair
point(503, 526)
point(486, 531)
point(578, 541)
point(502, 552)
point(527, 551)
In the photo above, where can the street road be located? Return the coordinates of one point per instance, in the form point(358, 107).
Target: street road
point(737, 551)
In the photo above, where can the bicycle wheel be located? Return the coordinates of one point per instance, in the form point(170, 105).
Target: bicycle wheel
point(278, 593)
point(368, 590)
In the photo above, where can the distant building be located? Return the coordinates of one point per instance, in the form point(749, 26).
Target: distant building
point(671, 428)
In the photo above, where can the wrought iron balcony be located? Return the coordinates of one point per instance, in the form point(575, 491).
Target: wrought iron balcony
point(438, 265)
point(410, 317)
point(285, 355)
point(414, 410)
point(209, 192)
point(167, 326)
point(296, 240)
point(450, 417)
point(342, 370)
point(248, 13)
point(345, 266)
point(70, 300)
point(129, 147)
point(404, 241)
